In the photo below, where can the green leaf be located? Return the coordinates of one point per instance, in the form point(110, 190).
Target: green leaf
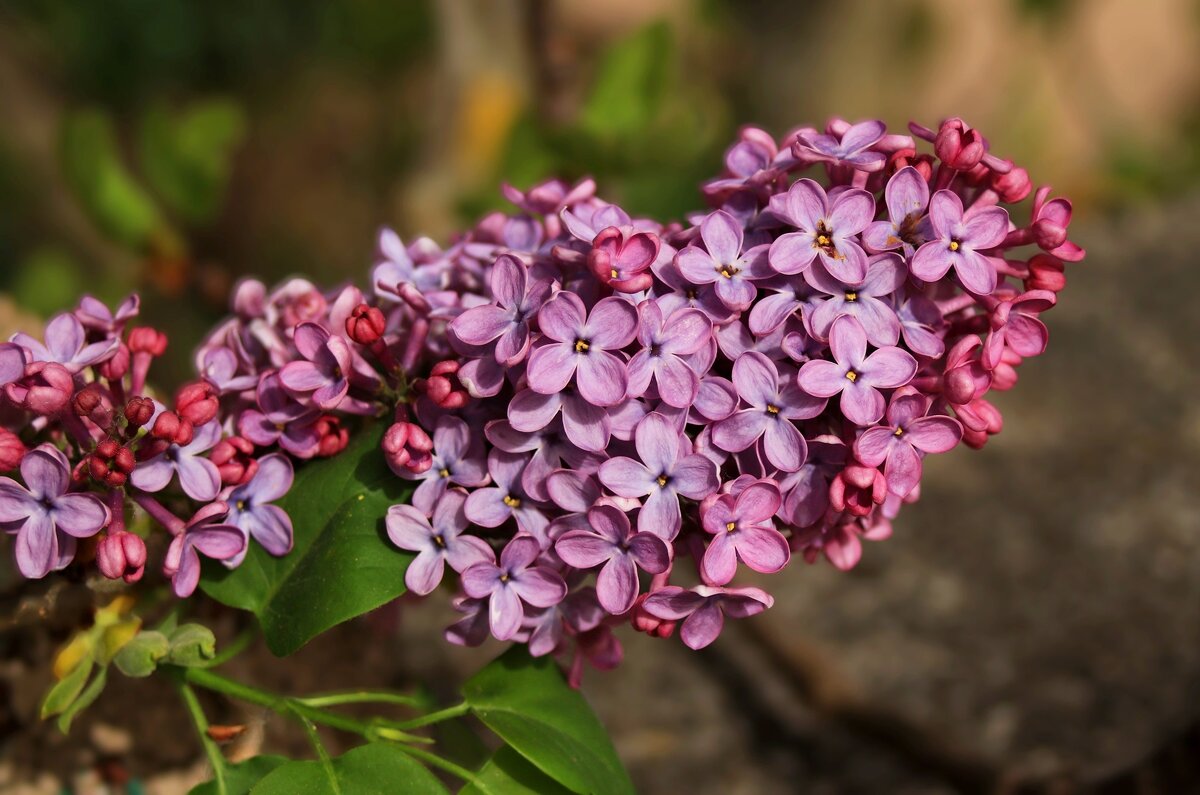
point(89, 694)
point(528, 703)
point(342, 564)
point(373, 769)
point(93, 167)
point(240, 778)
point(139, 658)
point(191, 644)
point(187, 156)
point(67, 689)
point(628, 92)
point(509, 773)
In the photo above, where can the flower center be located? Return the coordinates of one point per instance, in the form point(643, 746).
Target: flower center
point(823, 239)
point(729, 271)
point(898, 432)
point(612, 274)
point(505, 577)
point(730, 527)
point(851, 296)
point(511, 501)
point(851, 376)
point(438, 541)
point(240, 505)
point(662, 480)
point(445, 472)
point(772, 409)
point(954, 246)
point(581, 346)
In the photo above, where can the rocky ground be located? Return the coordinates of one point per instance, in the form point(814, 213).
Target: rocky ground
point(1033, 626)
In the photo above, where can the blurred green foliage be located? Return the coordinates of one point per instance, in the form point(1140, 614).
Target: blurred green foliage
point(187, 156)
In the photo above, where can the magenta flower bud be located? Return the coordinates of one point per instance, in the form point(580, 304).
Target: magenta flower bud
point(12, 450)
point(235, 461)
point(139, 411)
point(649, 623)
point(1013, 186)
point(333, 436)
point(121, 556)
point(46, 388)
point(858, 489)
point(169, 427)
point(443, 386)
point(197, 402)
point(249, 298)
point(94, 403)
point(622, 263)
point(958, 146)
point(365, 324)
point(115, 368)
point(1046, 273)
point(407, 448)
point(144, 339)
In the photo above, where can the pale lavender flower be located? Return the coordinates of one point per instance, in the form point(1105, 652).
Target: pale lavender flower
point(13, 359)
point(95, 314)
point(198, 476)
point(436, 543)
point(806, 491)
point(44, 516)
point(550, 451)
point(957, 241)
point(512, 583)
point(280, 418)
point(827, 230)
point(250, 508)
point(66, 344)
point(900, 443)
point(506, 323)
point(207, 534)
point(920, 320)
point(325, 370)
point(773, 402)
point(723, 263)
point(703, 609)
point(885, 275)
point(662, 475)
point(492, 506)
point(664, 344)
point(219, 366)
point(458, 458)
point(395, 267)
point(588, 426)
point(581, 347)
point(850, 150)
point(611, 543)
point(855, 375)
point(907, 227)
point(742, 527)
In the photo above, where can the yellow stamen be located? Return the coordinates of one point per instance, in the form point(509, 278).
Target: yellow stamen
point(581, 346)
point(662, 480)
point(852, 376)
point(851, 296)
point(954, 245)
point(444, 472)
point(512, 502)
point(899, 432)
point(772, 409)
point(822, 240)
point(612, 274)
point(730, 527)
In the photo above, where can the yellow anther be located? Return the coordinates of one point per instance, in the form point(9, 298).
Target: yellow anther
point(511, 502)
point(822, 240)
point(730, 527)
point(851, 296)
point(772, 409)
point(954, 245)
point(898, 432)
point(725, 272)
point(581, 346)
point(444, 472)
point(241, 505)
point(852, 376)
point(612, 274)
point(662, 480)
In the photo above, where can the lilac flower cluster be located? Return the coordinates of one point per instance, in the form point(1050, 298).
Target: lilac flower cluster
point(583, 399)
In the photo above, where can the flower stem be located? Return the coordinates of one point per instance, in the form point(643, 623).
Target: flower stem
point(448, 713)
point(361, 697)
point(437, 761)
point(215, 758)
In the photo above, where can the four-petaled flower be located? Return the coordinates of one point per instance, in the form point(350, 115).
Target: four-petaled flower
point(852, 149)
point(885, 275)
point(199, 477)
point(723, 263)
point(742, 527)
point(703, 609)
point(1015, 325)
point(900, 443)
point(436, 543)
point(664, 344)
point(207, 533)
point(957, 240)
point(66, 344)
point(250, 509)
point(44, 516)
point(826, 231)
point(581, 348)
point(516, 580)
point(325, 369)
point(611, 543)
point(457, 458)
point(505, 323)
point(492, 506)
point(907, 197)
point(855, 375)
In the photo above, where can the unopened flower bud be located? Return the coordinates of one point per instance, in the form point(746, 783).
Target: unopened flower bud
point(959, 146)
point(858, 489)
point(197, 402)
point(45, 389)
point(122, 556)
point(365, 324)
point(235, 460)
point(443, 386)
point(144, 339)
point(12, 450)
point(1013, 186)
point(650, 624)
point(171, 428)
point(94, 403)
point(334, 437)
point(115, 368)
point(1046, 272)
point(139, 411)
point(407, 448)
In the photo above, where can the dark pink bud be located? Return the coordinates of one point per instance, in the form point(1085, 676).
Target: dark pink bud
point(443, 386)
point(365, 324)
point(1046, 272)
point(45, 389)
point(1013, 186)
point(857, 489)
point(623, 263)
point(122, 556)
point(94, 403)
point(12, 450)
point(958, 146)
point(1048, 233)
point(235, 460)
point(645, 622)
point(144, 339)
point(139, 411)
point(170, 428)
point(334, 437)
point(407, 448)
point(197, 402)
point(115, 368)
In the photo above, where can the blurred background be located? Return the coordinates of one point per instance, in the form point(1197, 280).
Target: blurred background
point(1034, 626)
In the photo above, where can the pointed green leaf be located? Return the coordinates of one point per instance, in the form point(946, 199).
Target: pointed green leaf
point(89, 694)
point(509, 773)
point(67, 689)
point(374, 769)
point(528, 703)
point(342, 564)
point(241, 778)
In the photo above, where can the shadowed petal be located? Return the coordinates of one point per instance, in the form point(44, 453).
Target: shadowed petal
point(79, 515)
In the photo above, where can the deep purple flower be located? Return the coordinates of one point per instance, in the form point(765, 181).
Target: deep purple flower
point(280, 418)
point(907, 434)
point(722, 261)
point(661, 476)
point(850, 150)
point(199, 477)
point(436, 543)
point(66, 344)
point(703, 609)
point(855, 375)
point(885, 275)
point(773, 402)
point(250, 509)
point(581, 348)
point(507, 321)
point(663, 346)
point(325, 369)
point(907, 197)
point(206, 533)
point(492, 506)
point(827, 230)
point(957, 241)
point(515, 581)
point(743, 527)
point(457, 458)
point(1015, 325)
point(45, 518)
point(611, 543)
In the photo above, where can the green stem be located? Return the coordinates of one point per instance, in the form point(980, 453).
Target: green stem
point(239, 644)
point(215, 758)
point(310, 729)
point(448, 713)
point(360, 697)
point(437, 761)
